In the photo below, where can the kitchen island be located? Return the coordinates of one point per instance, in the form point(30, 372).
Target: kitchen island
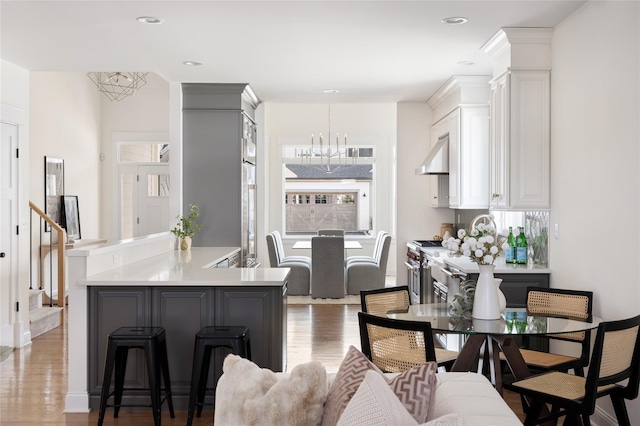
point(145, 282)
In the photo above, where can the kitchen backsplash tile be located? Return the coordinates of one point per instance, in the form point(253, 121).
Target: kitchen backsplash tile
point(535, 223)
point(536, 228)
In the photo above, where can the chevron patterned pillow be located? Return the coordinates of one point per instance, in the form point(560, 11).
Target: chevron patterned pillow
point(414, 388)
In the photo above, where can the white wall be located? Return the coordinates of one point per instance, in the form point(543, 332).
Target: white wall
point(14, 109)
point(365, 124)
point(146, 112)
point(416, 218)
point(65, 123)
point(595, 141)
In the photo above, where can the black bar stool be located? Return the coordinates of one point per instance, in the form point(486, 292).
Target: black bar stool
point(207, 339)
point(152, 341)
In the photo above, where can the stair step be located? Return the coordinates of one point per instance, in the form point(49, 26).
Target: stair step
point(35, 299)
point(44, 319)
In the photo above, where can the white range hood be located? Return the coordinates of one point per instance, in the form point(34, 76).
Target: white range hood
point(437, 162)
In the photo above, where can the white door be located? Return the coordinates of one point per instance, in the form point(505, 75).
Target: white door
point(144, 199)
point(153, 199)
point(8, 231)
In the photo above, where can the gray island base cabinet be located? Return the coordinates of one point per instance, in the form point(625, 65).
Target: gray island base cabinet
point(144, 281)
point(183, 311)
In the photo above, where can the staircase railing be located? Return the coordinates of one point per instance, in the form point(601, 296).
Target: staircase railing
point(62, 238)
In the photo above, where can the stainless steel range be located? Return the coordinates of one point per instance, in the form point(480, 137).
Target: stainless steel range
point(419, 271)
point(432, 281)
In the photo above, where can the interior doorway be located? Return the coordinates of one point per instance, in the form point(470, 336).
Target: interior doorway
point(8, 235)
point(143, 189)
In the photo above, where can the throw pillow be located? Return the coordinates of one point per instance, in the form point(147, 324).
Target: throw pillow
point(414, 387)
point(374, 403)
point(249, 395)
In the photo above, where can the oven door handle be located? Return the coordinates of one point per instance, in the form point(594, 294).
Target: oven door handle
point(454, 275)
point(410, 266)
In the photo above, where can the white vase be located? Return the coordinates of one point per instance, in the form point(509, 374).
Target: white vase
point(486, 304)
point(502, 301)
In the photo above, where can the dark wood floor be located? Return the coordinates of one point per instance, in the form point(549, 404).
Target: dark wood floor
point(33, 380)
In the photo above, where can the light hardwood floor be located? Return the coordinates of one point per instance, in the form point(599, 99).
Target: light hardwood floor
point(33, 380)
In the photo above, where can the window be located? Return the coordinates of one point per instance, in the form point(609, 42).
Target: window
point(328, 194)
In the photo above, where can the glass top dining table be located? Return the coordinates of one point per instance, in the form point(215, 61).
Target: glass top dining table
point(487, 338)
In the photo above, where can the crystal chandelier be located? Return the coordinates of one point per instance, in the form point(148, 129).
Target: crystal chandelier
point(325, 152)
point(118, 85)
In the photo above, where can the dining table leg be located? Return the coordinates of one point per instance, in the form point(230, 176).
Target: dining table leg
point(469, 353)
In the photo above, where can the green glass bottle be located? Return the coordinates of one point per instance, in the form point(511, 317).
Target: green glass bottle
point(510, 255)
point(521, 247)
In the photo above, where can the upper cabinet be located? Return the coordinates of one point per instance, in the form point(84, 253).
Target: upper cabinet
point(520, 118)
point(461, 111)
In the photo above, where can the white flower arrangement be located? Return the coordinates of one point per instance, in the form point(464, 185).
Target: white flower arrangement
point(480, 244)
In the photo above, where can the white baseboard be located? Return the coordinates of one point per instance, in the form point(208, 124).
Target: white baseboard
point(76, 402)
point(602, 418)
point(22, 334)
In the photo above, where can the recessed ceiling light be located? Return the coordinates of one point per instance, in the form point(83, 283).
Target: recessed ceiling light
point(465, 63)
point(150, 20)
point(330, 91)
point(192, 63)
point(455, 20)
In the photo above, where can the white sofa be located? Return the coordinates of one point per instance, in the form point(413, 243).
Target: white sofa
point(249, 395)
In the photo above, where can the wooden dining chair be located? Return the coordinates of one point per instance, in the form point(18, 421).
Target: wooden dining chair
point(615, 358)
point(380, 301)
point(572, 304)
point(395, 346)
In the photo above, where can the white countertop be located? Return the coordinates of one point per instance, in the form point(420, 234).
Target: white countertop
point(464, 264)
point(192, 267)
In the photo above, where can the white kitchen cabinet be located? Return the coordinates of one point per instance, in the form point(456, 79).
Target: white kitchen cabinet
point(469, 157)
point(519, 133)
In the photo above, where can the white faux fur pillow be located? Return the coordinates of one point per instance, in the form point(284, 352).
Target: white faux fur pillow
point(249, 395)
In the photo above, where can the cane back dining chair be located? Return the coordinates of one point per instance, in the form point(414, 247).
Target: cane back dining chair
point(380, 301)
point(393, 345)
point(615, 358)
point(573, 304)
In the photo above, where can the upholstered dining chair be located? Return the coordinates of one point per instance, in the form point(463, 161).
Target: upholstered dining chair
point(377, 248)
point(615, 358)
point(280, 251)
point(380, 301)
point(395, 346)
point(299, 281)
point(331, 232)
point(366, 275)
point(327, 277)
point(573, 304)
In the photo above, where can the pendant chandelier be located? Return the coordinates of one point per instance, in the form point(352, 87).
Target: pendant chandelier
point(118, 85)
point(325, 152)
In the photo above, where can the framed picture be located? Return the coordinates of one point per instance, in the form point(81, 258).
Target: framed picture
point(71, 217)
point(53, 189)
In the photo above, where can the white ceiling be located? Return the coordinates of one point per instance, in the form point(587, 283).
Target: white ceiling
point(289, 51)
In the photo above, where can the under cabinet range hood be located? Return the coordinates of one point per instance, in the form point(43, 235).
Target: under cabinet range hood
point(437, 162)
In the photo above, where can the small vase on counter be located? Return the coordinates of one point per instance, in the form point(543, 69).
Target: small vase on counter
point(185, 243)
point(486, 303)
